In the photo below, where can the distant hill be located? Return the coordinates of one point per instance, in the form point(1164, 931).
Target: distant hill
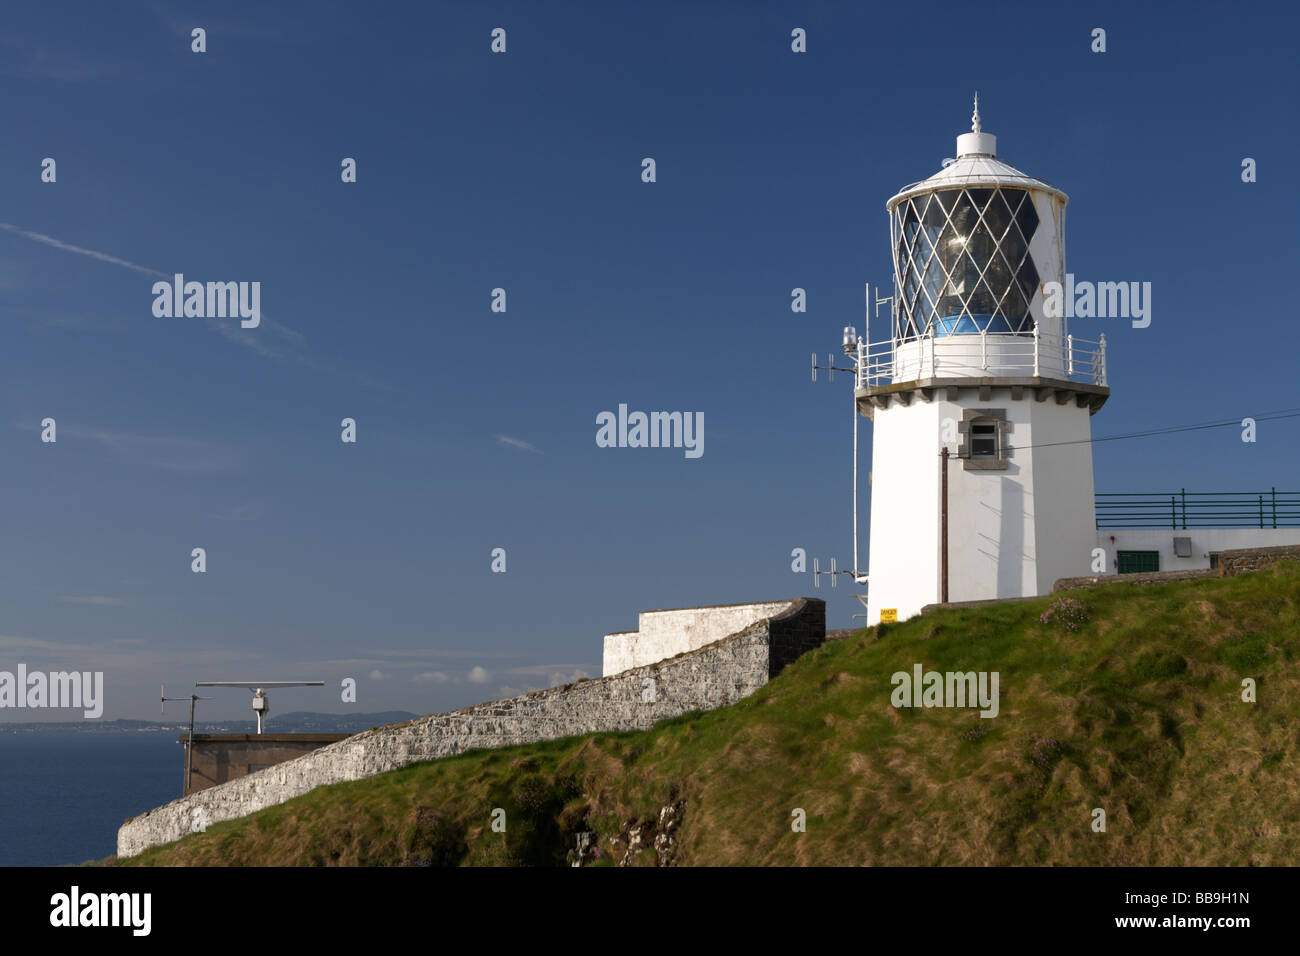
point(298, 722)
point(1138, 711)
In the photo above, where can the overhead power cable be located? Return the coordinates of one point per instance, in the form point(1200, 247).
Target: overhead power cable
point(1236, 422)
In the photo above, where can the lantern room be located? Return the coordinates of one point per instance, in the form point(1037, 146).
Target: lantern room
point(973, 246)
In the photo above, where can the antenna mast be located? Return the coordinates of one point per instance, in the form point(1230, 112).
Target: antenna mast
point(858, 350)
point(261, 702)
point(189, 744)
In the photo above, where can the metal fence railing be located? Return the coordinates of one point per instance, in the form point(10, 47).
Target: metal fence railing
point(994, 353)
point(1184, 509)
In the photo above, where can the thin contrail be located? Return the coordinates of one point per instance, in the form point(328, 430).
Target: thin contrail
point(244, 339)
point(518, 443)
point(69, 247)
point(238, 336)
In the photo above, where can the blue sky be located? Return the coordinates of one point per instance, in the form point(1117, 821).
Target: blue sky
point(522, 171)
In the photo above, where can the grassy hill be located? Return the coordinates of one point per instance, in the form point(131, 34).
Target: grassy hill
point(1138, 711)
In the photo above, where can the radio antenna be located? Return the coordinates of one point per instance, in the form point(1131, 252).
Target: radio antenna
point(858, 350)
point(261, 703)
point(189, 743)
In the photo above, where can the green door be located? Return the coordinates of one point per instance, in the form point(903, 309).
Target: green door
point(1135, 562)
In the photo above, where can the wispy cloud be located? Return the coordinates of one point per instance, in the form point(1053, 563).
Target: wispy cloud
point(559, 678)
point(455, 653)
point(174, 453)
point(78, 323)
point(237, 513)
point(225, 27)
point(519, 443)
point(285, 347)
point(82, 251)
point(124, 655)
point(422, 667)
point(272, 340)
point(235, 334)
point(549, 670)
point(35, 61)
point(98, 600)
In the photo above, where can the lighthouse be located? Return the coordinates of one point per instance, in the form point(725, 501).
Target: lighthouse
point(979, 396)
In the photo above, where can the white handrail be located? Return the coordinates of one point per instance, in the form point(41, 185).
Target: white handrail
point(1076, 358)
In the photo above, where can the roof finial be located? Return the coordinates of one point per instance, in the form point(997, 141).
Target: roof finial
point(976, 142)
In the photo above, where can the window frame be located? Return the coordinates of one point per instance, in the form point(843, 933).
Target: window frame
point(997, 417)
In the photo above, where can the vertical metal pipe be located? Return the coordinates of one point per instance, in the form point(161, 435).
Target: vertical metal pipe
point(857, 568)
point(943, 525)
point(866, 328)
point(858, 383)
point(189, 751)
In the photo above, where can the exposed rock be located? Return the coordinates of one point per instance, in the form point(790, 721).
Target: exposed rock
point(659, 834)
point(587, 847)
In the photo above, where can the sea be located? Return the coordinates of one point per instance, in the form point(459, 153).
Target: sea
point(63, 796)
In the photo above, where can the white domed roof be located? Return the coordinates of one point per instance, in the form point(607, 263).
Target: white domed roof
point(976, 165)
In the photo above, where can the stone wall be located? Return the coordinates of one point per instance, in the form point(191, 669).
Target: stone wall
point(794, 632)
point(1231, 563)
point(713, 676)
point(216, 758)
point(664, 634)
point(1252, 559)
point(1142, 577)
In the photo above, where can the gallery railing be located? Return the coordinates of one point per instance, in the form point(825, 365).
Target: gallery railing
point(989, 354)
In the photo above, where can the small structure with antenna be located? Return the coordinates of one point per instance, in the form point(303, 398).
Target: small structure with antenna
point(261, 702)
point(214, 758)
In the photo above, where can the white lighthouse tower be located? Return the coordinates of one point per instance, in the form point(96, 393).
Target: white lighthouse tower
point(981, 476)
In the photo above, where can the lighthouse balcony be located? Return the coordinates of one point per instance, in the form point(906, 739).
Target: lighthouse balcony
point(1068, 367)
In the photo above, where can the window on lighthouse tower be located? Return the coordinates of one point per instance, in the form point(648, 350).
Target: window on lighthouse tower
point(963, 262)
point(984, 439)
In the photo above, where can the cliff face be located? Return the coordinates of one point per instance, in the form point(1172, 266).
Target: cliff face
point(713, 676)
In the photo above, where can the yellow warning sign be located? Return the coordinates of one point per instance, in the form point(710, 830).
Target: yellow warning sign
point(888, 615)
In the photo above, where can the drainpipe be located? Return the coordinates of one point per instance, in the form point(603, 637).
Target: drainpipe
point(943, 525)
